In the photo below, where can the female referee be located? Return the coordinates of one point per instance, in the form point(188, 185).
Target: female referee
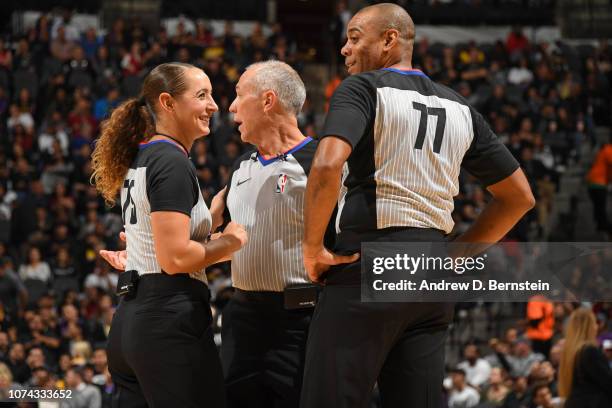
point(160, 348)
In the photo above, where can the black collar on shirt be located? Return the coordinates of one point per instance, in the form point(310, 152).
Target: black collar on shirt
point(176, 140)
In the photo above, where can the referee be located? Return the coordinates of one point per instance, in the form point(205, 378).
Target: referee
point(265, 324)
point(160, 348)
point(393, 145)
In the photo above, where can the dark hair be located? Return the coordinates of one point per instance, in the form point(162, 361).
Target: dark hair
point(458, 371)
point(539, 387)
point(129, 124)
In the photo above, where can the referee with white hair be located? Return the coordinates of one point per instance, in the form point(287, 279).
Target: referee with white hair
point(265, 325)
point(390, 155)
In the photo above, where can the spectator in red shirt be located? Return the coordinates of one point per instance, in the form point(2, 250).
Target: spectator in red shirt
point(516, 42)
point(132, 62)
point(81, 116)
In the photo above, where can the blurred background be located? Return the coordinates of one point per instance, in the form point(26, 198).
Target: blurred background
point(538, 70)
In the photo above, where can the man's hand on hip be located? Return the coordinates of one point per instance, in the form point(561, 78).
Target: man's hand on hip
point(318, 261)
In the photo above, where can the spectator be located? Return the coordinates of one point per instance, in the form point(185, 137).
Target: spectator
point(473, 69)
point(541, 324)
point(61, 46)
point(84, 395)
point(523, 359)
point(543, 373)
point(103, 106)
point(100, 365)
point(203, 35)
point(53, 132)
point(90, 42)
point(542, 397)
point(4, 346)
point(585, 378)
point(36, 359)
point(516, 42)
point(6, 382)
point(10, 289)
point(496, 391)
point(17, 363)
point(63, 21)
point(520, 74)
point(79, 72)
point(461, 394)
point(332, 85)
point(81, 117)
point(23, 58)
point(6, 56)
point(598, 179)
point(132, 62)
point(63, 266)
point(36, 268)
point(106, 70)
point(18, 117)
point(107, 389)
point(519, 397)
point(40, 339)
point(499, 357)
point(477, 370)
point(257, 38)
point(41, 378)
point(102, 278)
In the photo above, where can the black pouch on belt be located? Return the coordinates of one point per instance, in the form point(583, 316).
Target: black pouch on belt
point(301, 296)
point(126, 284)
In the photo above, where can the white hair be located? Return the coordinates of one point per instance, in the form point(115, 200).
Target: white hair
point(283, 80)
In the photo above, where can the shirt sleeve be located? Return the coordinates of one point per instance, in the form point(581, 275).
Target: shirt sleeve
point(171, 184)
point(352, 110)
point(487, 159)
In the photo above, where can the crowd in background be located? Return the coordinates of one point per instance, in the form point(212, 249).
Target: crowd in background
point(58, 84)
point(523, 367)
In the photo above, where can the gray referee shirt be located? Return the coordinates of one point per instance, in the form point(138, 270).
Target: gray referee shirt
point(410, 137)
point(161, 178)
point(267, 197)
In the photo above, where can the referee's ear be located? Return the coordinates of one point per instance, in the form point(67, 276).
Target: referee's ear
point(391, 37)
point(269, 100)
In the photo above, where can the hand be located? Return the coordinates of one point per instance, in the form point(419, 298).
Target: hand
point(217, 207)
point(117, 259)
point(318, 261)
point(216, 235)
point(236, 234)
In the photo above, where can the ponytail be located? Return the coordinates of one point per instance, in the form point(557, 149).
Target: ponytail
point(129, 124)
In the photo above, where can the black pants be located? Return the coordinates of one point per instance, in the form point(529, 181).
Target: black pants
point(542, 346)
point(263, 349)
point(161, 351)
point(353, 344)
point(599, 199)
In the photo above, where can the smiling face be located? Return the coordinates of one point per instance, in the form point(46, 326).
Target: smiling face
point(248, 108)
point(194, 107)
point(364, 45)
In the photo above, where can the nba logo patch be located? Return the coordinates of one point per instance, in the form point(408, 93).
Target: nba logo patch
point(281, 182)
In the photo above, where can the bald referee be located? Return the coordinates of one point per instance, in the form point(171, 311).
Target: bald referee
point(393, 145)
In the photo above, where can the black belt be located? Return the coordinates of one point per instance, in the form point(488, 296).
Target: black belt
point(152, 284)
point(294, 297)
